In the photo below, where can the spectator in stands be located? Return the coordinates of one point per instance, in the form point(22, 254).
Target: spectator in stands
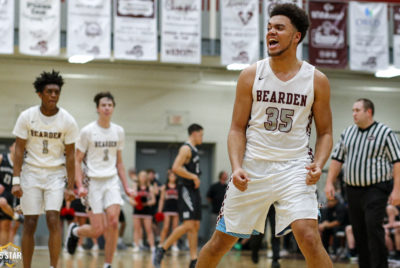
point(333, 218)
point(351, 244)
point(216, 194)
point(392, 231)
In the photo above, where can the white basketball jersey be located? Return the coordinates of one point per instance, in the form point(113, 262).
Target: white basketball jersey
point(101, 146)
point(46, 136)
point(280, 124)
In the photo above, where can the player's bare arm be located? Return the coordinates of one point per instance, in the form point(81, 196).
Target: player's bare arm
point(79, 156)
point(70, 165)
point(18, 159)
point(334, 170)
point(237, 132)
point(394, 198)
point(122, 174)
point(323, 122)
point(178, 168)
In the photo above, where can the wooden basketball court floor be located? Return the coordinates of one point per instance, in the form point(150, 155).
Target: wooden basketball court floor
point(128, 259)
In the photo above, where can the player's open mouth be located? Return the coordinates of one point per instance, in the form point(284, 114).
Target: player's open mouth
point(272, 43)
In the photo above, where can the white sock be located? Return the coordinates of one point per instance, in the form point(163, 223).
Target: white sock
point(120, 240)
point(106, 265)
point(75, 232)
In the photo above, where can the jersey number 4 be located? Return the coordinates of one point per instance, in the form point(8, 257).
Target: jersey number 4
point(281, 120)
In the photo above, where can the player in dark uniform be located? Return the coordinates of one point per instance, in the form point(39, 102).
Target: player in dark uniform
point(7, 213)
point(186, 166)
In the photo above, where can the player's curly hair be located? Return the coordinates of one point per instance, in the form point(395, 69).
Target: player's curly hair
point(48, 78)
point(298, 17)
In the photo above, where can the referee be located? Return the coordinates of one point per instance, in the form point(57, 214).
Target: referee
point(370, 152)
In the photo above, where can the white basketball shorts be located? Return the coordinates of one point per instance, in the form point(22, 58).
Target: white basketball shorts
point(104, 192)
point(43, 189)
point(280, 183)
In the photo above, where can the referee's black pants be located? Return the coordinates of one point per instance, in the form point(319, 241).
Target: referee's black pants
point(367, 208)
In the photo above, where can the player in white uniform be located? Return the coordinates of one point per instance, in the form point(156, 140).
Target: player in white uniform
point(101, 143)
point(268, 145)
point(44, 157)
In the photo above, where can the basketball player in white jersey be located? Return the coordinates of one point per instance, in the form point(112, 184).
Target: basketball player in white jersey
point(268, 145)
point(44, 157)
point(101, 143)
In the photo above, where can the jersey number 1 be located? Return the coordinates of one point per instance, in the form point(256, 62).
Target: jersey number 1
point(45, 147)
point(283, 122)
point(105, 156)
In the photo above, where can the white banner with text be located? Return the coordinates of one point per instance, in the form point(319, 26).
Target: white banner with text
point(89, 28)
point(39, 27)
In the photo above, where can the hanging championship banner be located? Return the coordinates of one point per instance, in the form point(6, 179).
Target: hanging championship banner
point(369, 48)
point(39, 27)
point(268, 5)
point(396, 36)
point(181, 31)
point(327, 35)
point(240, 39)
point(135, 30)
point(89, 28)
point(7, 27)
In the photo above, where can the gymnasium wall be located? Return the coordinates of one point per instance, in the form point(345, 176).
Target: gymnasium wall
point(148, 94)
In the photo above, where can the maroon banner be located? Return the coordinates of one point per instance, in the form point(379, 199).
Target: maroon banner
point(328, 34)
point(396, 19)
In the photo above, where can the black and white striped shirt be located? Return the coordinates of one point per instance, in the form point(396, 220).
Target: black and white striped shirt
point(368, 154)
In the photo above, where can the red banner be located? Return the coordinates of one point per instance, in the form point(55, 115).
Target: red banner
point(396, 19)
point(328, 34)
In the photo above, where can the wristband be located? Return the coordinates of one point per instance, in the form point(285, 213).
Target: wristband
point(16, 180)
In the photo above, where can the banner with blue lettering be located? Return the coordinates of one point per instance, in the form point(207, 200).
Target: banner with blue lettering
point(39, 27)
point(369, 45)
point(240, 39)
point(135, 30)
point(327, 34)
point(181, 31)
point(268, 5)
point(89, 28)
point(6, 27)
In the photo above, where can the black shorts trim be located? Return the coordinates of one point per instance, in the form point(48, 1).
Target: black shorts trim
point(77, 205)
point(9, 197)
point(189, 203)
